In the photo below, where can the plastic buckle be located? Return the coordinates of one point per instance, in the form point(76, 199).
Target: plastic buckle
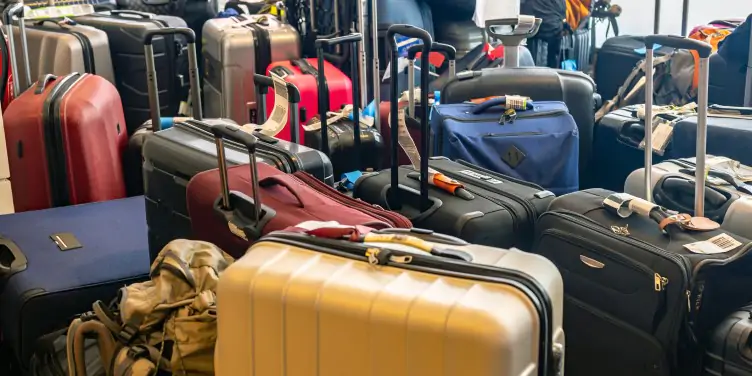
point(349, 179)
point(127, 333)
point(138, 351)
point(87, 316)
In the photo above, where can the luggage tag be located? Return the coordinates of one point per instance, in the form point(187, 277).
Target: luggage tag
point(718, 244)
point(662, 131)
point(278, 119)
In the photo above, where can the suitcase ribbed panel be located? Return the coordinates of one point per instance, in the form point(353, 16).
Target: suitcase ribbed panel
point(285, 310)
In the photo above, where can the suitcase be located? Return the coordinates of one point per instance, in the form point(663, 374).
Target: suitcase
point(304, 75)
point(350, 144)
point(57, 262)
point(6, 193)
point(173, 156)
point(65, 136)
point(222, 212)
point(6, 80)
point(319, 307)
point(729, 352)
point(61, 48)
point(234, 49)
point(125, 30)
point(638, 276)
point(499, 210)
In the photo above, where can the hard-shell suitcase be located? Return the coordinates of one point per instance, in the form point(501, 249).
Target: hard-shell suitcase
point(60, 48)
point(729, 352)
point(174, 155)
point(234, 50)
point(640, 277)
point(125, 30)
point(304, 75)
point(497, 211)
point(305, 305)
point(65, 136)
point(222, 212)
point(57, 262)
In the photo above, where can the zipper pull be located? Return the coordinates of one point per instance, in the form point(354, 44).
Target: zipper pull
point(689, 301)
point(378, 256)
point(660, 282)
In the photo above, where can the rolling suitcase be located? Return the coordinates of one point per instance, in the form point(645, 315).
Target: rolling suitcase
point(57, 262)
point(222, 212)
point(490, 209)
point(65, 136)
point(173, 156)
point(640, 277)
point(729, 352)
point(125, 30)
point(6, 193)
point(307, 304)
point(575, 89)
point(234, 49)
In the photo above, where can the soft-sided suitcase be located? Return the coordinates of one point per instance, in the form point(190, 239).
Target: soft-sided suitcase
point(350, 144)
point(489, 209)
point(640, 277)
point(125, 30)
point(57, 262)
point(531, 141)
point(729, 352)
point(223, 212)
point(304, 75)
point(234, 49)
point(65, 137)
point(174, 155)
point(60, 48)
point(390, 303)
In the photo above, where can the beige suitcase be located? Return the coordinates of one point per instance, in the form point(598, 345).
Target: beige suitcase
point(299, 305)
point(6, 195)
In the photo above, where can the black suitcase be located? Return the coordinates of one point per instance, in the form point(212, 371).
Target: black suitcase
point(500, 213)
point(729, 352)
point(55, 263)
point(126, 29)
point(171, 157)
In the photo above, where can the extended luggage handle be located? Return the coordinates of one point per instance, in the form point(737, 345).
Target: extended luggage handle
point(17, 10)
point(513, 41)
point(323, 89)
point(425, 37)
point(447, 50)
point(151, 72)
point(703, 50)
point(232, 204)
point(263, 83)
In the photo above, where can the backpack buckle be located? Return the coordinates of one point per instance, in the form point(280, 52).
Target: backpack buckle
point(137, 352)
point(87, 316)
point(126, 333)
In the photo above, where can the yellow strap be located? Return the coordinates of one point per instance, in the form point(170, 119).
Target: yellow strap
point(407, 240)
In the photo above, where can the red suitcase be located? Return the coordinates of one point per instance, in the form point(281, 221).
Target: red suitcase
point(303, 74)
point(221, 201)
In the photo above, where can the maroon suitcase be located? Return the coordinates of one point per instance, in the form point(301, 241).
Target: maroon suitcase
point(223, 212)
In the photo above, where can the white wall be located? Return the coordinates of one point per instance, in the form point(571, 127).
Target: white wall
point(637, 15)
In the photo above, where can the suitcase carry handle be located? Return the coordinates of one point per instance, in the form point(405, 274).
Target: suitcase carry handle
point(12, 259)
point(263, 83)
point(323, 88)
point(16, 10)
point(151, 72)
point(448, 51)
point(491, 103)
point(511, 42)
point(412, 32)
point(703, 50)
point(669, 191)
point(124, 12)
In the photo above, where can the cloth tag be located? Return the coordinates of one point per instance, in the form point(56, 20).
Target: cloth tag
point(718, 244)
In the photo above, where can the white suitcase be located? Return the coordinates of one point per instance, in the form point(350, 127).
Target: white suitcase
point(301, 305)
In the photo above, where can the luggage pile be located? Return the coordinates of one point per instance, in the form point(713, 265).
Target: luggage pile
point(255, 206)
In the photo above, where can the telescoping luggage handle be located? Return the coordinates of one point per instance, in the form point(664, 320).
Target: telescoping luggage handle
point(703, 50)
point(447, 50)
point(17, 10)
point(513, 41)
point(151, 72)
point(323, 89)
point(425, 37)
point(263, 83)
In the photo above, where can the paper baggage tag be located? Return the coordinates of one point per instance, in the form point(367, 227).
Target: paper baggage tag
point(278, 119)
point(718, 244)
point(58, 11)
point(662, 131)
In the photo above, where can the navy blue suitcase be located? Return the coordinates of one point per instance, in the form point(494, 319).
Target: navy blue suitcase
point(43, 286)
point(539, 145)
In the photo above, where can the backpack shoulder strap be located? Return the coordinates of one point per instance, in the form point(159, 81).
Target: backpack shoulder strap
point(78, 331)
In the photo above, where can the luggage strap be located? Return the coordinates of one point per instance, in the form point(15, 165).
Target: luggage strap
point(306, 67)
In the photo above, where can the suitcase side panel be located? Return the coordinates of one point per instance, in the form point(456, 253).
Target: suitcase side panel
point(100, 45)
point(391, 321)
point(50, 51)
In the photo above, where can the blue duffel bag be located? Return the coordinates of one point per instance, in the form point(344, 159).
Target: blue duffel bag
point(538, 144)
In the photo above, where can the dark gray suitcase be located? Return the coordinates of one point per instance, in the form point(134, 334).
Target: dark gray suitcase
point(729, 352)
point(125, 30)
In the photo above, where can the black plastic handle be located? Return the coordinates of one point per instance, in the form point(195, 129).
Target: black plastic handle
point(452, 254)
point(407, 31)
point(42, 83)
point(267, 82)
point(449, 51)
point(703, 49)
point(61, 25)
point(13, 10)
point(12, 259)
point(234, 133)
point(503, 22)
point(350, 38)
point(190, 36)
point(131, 13)
point(487, 105)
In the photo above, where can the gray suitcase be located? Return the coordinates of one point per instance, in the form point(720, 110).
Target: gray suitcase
point(59, 48)
point(234, 50)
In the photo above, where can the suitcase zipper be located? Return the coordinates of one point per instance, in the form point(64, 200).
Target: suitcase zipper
point(441, 266)
point(520, 115)
point(494, 135)
point(262, 47)
point(394, 219)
